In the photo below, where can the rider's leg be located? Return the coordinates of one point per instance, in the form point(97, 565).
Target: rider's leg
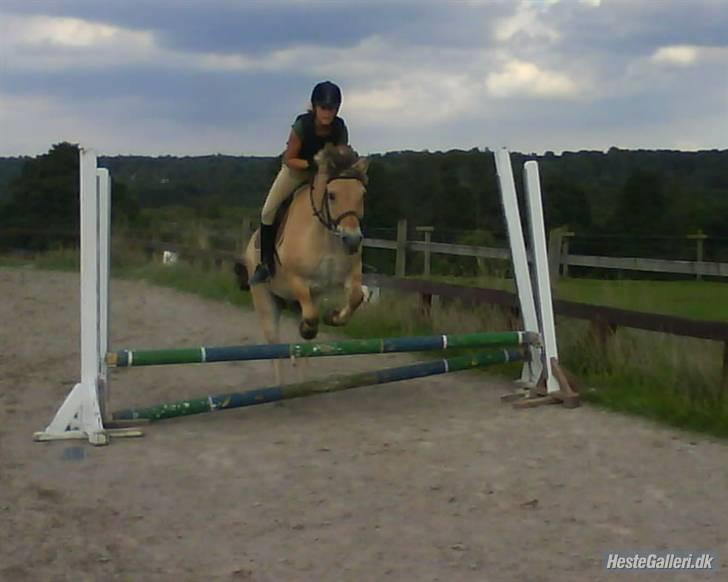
point(285, 183)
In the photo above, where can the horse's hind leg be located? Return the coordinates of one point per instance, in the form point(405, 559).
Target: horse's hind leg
point(269, 312)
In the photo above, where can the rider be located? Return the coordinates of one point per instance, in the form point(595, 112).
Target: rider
point(309, 134)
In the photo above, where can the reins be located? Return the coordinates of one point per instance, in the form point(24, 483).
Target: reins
point(323, 214)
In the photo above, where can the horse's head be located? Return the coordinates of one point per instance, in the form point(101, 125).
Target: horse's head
point(339, 189)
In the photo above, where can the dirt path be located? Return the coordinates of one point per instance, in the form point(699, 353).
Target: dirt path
point(422, 480)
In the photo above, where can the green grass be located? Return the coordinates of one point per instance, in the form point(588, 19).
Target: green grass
point(668, 379)
point(209, 283)
point(213, 284)
point(706, 300)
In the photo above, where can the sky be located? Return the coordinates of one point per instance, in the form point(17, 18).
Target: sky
point(195, 77)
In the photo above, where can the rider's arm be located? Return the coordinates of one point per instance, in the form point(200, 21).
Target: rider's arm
point(293, 150)
point(344, 136)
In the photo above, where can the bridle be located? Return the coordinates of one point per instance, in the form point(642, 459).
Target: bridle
point(324, 213)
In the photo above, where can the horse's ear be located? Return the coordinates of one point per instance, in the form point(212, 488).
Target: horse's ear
point(361, 166)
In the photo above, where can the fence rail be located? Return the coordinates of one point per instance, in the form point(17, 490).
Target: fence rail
point(704, 268)
point(560, 257)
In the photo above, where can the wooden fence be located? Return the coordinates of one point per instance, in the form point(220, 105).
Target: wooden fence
point(559, 257)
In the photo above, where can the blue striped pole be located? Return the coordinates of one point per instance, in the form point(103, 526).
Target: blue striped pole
point(129, 358)
point(320, 386)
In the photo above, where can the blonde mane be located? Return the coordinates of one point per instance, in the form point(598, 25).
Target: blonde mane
point(340, 162)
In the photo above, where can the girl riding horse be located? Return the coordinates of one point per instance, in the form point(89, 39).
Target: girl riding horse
point(310, 133)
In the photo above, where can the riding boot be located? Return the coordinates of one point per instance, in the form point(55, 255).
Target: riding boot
point(266, 268)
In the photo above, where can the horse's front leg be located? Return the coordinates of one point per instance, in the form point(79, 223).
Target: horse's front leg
point(308, 328)
point(354, 298)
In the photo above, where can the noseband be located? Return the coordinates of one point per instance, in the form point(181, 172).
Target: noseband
point(324, 213)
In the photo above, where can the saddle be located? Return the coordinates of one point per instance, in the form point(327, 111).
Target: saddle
point(279, 222)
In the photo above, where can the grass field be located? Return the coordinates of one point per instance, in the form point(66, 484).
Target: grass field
point(706, 300)
point(669, 379)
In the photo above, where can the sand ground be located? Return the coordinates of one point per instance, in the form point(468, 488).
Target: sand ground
point(424, 480)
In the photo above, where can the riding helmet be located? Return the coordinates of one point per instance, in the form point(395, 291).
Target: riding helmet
point(325, 94)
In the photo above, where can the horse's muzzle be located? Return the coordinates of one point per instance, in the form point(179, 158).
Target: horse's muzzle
point(352, 241)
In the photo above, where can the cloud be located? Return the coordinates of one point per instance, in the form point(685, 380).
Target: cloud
point(199, 75)
point(42, 43)
point(527, 21)
point(522, 79)
point(676, 55)
point(415, 98)
point(72, 32)
point(686, 55)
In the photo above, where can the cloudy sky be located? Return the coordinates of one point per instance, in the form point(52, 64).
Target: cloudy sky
point(229, 76)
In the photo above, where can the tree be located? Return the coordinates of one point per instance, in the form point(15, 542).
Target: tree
point(641, 205)
point(45, 194)
point(44, 199)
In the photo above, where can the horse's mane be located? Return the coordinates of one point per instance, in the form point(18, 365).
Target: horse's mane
point(341, 162)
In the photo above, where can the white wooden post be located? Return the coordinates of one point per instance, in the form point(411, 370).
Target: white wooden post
point(532, 370)
point(104, 237)
point(541, 268)
point(80, 415)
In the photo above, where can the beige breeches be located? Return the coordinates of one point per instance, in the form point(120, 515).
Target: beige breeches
point(283, 186)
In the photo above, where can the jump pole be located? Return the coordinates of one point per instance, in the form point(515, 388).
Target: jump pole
point(211, 354)
point(319, 386)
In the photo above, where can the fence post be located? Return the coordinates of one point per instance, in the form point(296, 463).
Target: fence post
point(602, 331)
point(556, 238)
point(425, 305)
point(556, 246)
point(427, 231)
point(699, 237)
point(565, 253)
point(400, 267)
point(724, 375)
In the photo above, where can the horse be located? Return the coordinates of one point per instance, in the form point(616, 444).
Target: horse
point(318, 247)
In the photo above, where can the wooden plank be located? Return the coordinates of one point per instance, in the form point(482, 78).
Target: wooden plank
point(380, 243)
point(682, 326)
point(649, 265)
point(460, 250)
point(473, 294)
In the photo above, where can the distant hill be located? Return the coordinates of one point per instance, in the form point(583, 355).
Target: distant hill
point(644, 191)
point(167, 180)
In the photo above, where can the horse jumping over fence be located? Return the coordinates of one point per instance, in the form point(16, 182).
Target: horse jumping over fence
point(318, 246)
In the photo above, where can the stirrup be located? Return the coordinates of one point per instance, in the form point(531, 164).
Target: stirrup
point(261, 275)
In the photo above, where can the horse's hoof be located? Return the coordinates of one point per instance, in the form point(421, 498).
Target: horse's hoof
point(308, 330)
point(330, 317)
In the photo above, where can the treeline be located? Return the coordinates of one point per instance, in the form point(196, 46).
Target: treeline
point(629, 193)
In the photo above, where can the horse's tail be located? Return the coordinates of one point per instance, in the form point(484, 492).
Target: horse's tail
point(241, 272)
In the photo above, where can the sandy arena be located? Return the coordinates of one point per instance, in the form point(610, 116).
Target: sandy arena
point(424, 480)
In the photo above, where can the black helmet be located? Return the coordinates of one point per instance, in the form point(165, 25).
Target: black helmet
point(326, 93)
